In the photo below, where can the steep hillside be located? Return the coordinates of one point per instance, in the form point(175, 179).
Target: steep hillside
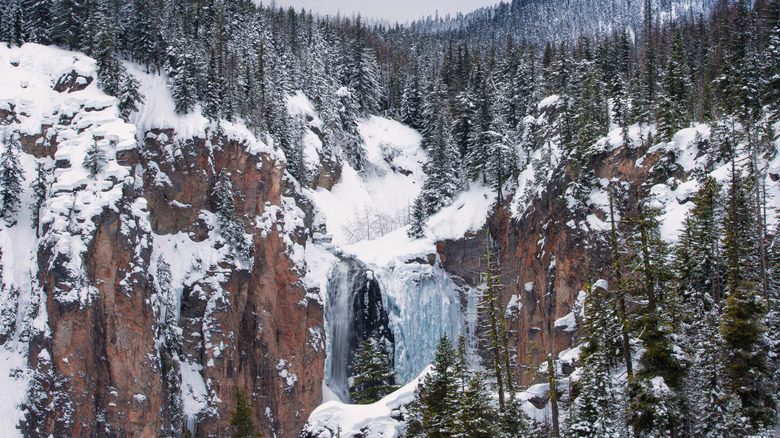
point(134, 310)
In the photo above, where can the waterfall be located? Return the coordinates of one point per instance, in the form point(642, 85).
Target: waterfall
point(354, 313)
point(339, 317)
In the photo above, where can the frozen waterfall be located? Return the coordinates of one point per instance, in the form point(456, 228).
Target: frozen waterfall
point(405, 308)
point(339, 319)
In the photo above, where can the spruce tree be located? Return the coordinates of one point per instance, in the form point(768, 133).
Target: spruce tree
point(184, 71)
point(673, 107)
point(40, 187)
point(441, 183)
point(95, 160)
point(230, 226)
point(742, 323)
point(372, 378)
point(699, 270)
point(11, 179)
point(714, 406)
point(419, 217)
point(596, 411)
point(433, 413)
point(477, 417)
point(242, 417)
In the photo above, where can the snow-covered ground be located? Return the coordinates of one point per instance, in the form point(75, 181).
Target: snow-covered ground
point(381, 419)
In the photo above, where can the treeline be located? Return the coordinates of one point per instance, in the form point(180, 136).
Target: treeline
point(701, 316)
point(473, 109)
point(229, 59)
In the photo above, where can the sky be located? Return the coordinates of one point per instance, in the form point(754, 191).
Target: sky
point(393, 10)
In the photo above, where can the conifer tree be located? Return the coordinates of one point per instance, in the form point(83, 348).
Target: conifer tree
point(372, 378)
point(68, 18)
point(419, 217)
point(38, 21)
point(241, 417)
point(477, 417)
point(463, 124)
point(183, 69)
point(673, 107)
point(699, 271)
point(40, 187)
point(596, 411)
point(230, 226)
point(11, 178)
point(434, 409)
point(13, 22)
point(441, 183)
point(95, 160)
point(715, 408)
point(592, 114)
point(742, 324)
point(412, 100)
point(492, 307)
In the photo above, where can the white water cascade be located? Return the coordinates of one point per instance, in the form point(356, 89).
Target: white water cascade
point(339, 319)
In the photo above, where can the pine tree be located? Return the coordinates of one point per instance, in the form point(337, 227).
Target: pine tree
point(38, 21)
point(433, 413)
point(673, 108)
point(69, 16)
point(742, 324)
point(14, 22)
point(212, 104)
point(230, 226)
point(591, 111)
point(771, 64)
point(441, 183)
point(596, 411)
point(372, 378)
point(699, 271)
point(418, 219)
point(11, 179)
point(412, 100)
point(242, 417)
point(95, 160)
point(715, 408)
point(477, 417)
point(493, 314)
point(40, 187)
point(185, 73)
point(463, 125)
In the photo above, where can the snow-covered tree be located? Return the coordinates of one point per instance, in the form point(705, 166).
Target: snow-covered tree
point(40, 187)
point(230, 226)
point(95, 160)
point(11, 179)
point(372, 377)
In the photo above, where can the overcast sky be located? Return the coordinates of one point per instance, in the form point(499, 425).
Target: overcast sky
point(393, 10)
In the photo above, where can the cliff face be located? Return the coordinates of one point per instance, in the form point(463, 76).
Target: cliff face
point(548, 254)
point(140, 320)
point(252, 328)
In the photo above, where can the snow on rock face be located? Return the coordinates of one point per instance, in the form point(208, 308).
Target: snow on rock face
point(50, 98)
point(100, 303)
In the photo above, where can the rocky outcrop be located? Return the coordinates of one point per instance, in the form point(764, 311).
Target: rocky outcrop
point(100, 371)
point(547, 256)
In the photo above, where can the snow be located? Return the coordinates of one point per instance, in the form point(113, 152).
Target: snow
point(548, 101)
point(193, 389)
point(14, 379)
point(567, 323)
point(467, 213)
point(158, 112)
point(334, 418)
point(361, 204)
